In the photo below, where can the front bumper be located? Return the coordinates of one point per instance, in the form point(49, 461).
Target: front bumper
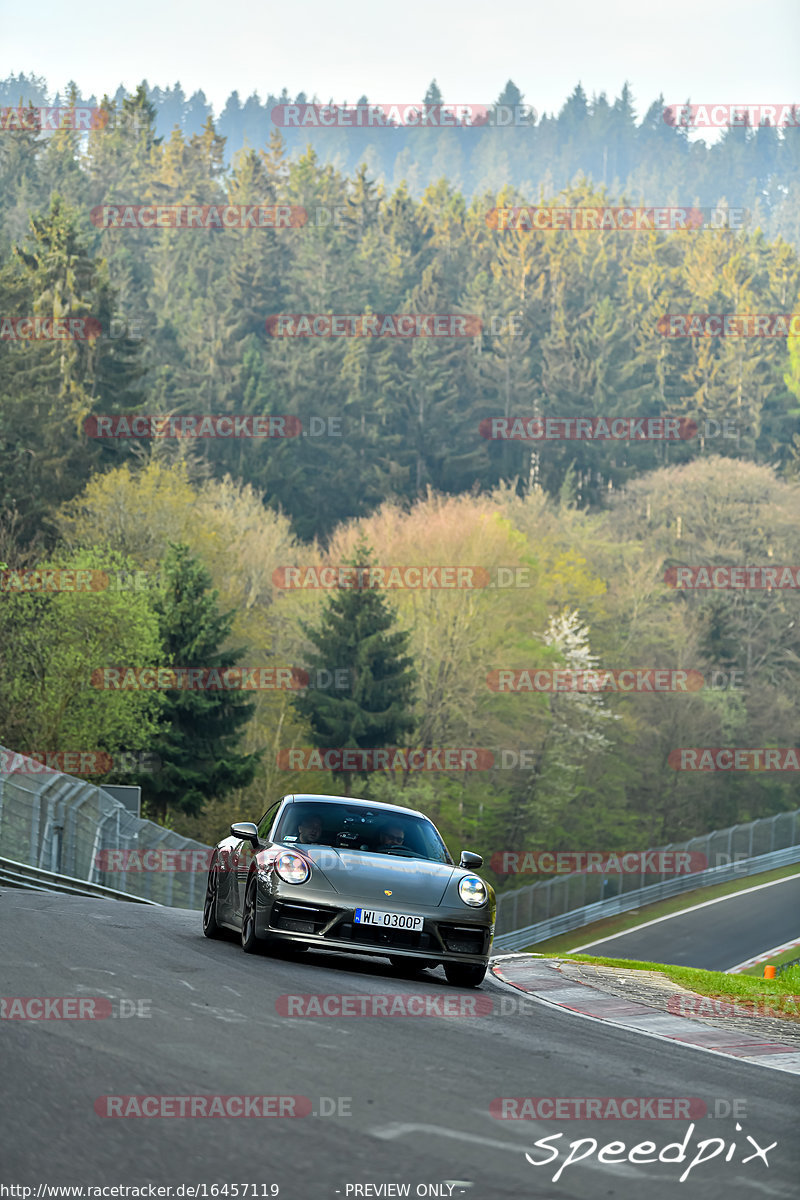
point(451, 935)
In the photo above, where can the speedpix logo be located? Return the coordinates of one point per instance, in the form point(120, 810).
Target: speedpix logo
point(617, 1153)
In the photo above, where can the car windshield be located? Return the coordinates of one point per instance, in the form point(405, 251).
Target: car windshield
point(368, 830)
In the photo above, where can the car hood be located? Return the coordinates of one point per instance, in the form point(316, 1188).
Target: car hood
point(410, 880)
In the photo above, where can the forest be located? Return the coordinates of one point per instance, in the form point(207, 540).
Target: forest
point(484, 442)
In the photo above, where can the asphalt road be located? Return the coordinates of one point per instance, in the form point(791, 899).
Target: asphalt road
point(414, 1092)
point(718, 936)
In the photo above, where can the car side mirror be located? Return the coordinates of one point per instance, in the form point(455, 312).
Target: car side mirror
point(468, 859)
point(245, 831)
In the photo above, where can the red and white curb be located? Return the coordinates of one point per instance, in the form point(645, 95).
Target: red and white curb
point(765, 957)
point(542, 978)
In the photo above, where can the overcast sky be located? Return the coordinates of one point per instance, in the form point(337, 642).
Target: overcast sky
point(727, 52)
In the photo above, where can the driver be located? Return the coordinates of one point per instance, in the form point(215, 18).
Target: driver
point(391, 835)
point(309, 829)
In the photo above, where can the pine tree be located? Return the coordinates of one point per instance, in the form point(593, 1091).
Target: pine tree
point(202, 727)
point(356, 633)
point(49, 386)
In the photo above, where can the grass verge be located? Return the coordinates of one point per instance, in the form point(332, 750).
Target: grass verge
point(778, 997)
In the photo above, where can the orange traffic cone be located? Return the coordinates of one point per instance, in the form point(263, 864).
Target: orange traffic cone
point(769, 972)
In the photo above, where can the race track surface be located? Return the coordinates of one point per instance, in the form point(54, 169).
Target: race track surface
point(719, 935)
point(413, 1093)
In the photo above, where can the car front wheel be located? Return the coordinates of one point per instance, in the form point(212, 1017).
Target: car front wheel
point(465, 974)
point(250, 943)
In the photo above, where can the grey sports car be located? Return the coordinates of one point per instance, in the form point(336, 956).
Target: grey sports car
point(345, 874)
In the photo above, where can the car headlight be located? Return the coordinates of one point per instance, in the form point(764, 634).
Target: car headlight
point(472, 891)
point(292, 868)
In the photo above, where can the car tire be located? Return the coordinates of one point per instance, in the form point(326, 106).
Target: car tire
point(250, 943)
point(408, 968)
point(465, 974)
point(211, 927)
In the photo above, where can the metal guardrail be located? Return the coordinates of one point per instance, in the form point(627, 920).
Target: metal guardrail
point(66, 827)
point(518, 939)
point(523, 907)
point(22, 875)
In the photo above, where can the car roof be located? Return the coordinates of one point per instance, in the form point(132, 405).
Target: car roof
point(376, 805)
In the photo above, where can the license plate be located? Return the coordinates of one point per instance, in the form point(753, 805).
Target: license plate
point(387, 920)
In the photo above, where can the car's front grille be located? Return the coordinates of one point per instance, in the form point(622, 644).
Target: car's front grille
point(300, 918)
point(371, 935)
point(464, 939)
